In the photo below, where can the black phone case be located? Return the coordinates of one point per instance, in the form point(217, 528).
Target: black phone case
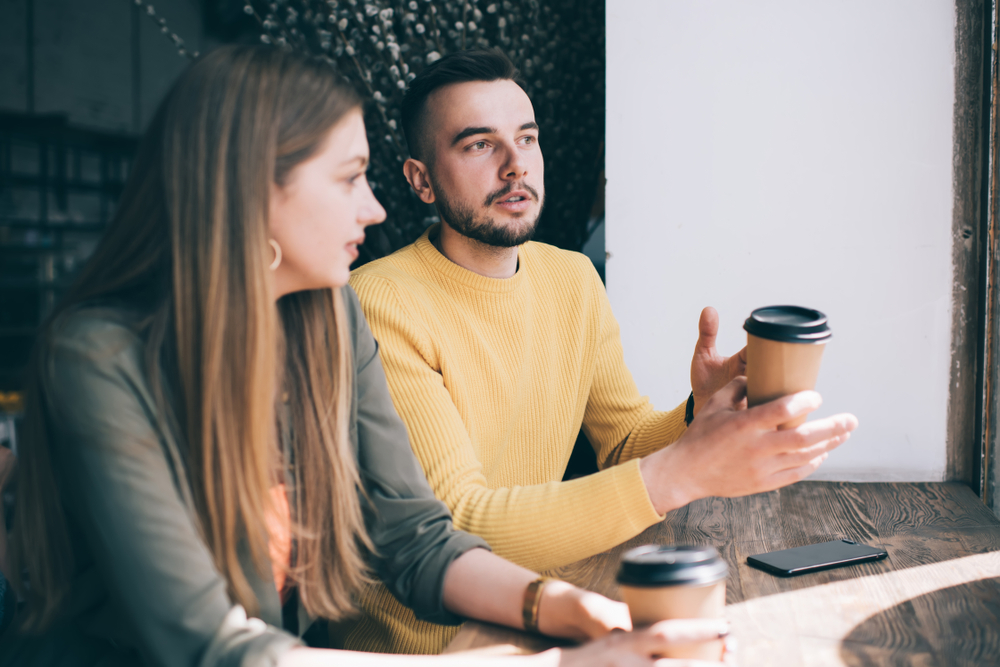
point(815, 557)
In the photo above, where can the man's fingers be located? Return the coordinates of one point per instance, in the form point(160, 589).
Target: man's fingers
point(781, 410)
point(729, 397)
point(829, 426)
point(800, 457)
point(708, 328)
point(736, 365)
point(792, 475)
point(742, 355)
point(807, 436)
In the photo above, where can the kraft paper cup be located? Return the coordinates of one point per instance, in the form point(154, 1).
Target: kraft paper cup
point(661, 583)
point(784, 349)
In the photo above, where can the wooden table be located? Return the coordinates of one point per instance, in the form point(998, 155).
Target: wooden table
point(934, 601)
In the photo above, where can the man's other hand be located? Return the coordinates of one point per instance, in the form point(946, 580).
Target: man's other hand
point(729, 451)
point(710, 371)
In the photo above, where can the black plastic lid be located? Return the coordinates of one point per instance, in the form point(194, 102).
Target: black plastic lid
point(654, 565)
point(788, 324)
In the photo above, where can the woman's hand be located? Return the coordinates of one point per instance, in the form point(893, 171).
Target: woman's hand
point(640, 648)
point(481, 585)
point(574, 613)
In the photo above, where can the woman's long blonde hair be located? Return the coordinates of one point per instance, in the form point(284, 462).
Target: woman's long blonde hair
point(189, 248)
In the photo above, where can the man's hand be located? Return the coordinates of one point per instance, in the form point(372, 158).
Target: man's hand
point(728, 451)
point(710, 371)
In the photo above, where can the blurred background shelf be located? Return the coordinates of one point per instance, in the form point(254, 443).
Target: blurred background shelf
point(59, 186)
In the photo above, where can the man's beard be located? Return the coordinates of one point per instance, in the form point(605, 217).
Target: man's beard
point(485, 229)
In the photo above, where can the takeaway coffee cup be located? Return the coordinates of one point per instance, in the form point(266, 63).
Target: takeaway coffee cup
point(659, 583)
point(784, 349)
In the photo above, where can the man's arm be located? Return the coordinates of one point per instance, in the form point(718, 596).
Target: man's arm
point(728, 450)
point(539, 526)
point(620, 423)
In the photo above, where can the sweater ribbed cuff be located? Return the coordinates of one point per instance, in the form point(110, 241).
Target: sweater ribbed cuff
point(637, 506)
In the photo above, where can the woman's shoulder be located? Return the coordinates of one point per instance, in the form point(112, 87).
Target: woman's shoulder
point(362, 342)
point(91, 367)
point(94, 332)
point(357, 324)
point(95, 321)
point(352, 306)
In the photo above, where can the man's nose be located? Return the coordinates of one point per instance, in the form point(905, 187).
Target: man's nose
point(515, 166)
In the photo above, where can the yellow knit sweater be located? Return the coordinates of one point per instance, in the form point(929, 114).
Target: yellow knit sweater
point(494, 379)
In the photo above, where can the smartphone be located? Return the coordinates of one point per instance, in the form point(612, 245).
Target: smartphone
point(815, 557)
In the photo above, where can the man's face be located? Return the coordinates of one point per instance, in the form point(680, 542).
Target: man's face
point(486, 166)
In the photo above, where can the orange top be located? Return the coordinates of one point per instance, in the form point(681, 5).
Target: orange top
point(279, 546)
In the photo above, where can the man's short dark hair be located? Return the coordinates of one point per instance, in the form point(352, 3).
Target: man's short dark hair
point(459, 67)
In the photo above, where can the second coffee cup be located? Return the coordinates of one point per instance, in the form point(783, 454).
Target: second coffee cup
point(660, 583)
point(784, 348)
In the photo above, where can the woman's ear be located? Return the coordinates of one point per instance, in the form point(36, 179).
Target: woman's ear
point(419, 178)
point(275, 199)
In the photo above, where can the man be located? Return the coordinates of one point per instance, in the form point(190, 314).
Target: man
point(498, 350)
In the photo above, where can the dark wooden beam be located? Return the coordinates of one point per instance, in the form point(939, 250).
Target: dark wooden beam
point(968, 237)
point(990, 435)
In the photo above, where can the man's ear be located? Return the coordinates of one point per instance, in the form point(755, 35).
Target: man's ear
point(419, 178)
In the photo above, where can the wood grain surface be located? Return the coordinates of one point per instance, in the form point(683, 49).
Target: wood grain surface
point(935, 601)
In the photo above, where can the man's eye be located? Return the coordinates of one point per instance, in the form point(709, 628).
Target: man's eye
point(479, 145)
point(530, 139)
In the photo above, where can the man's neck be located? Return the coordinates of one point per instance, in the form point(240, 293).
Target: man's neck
point(486, 260)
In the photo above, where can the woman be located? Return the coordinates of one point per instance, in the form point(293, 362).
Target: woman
point(212, 460)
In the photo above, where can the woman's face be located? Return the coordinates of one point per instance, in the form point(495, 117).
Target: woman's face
point(319, 215)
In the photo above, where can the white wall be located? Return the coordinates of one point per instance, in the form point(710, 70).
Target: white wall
point(796, 152)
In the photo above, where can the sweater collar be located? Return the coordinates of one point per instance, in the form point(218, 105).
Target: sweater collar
point(452, 271)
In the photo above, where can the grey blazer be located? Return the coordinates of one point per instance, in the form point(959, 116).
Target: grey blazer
point(145, 589)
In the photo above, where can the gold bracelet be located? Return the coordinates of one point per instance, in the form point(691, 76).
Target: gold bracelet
point(532, 600)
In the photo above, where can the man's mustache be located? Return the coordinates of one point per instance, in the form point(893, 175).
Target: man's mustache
point(510, 187)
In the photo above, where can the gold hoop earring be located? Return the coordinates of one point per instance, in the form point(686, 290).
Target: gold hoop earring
point(277, 254)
